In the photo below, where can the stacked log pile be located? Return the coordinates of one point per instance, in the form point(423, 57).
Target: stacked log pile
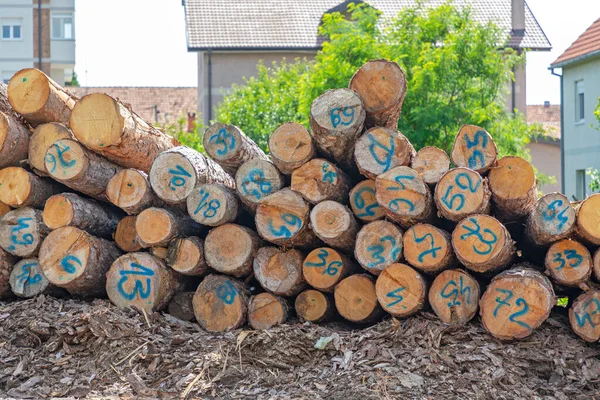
point(344, 220)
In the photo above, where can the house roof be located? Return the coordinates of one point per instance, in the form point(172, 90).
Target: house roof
point(547, 116)
point(172, 103)
point(293, 24)
point(586, 45)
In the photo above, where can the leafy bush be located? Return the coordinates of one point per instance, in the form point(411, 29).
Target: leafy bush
point(190, 139)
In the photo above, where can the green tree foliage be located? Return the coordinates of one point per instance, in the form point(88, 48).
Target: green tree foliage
point(74, 81)
point(190, 139)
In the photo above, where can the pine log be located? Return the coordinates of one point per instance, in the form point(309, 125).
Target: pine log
point(401, 290)
point(378, 245)
point(569, 263)
point(69, 209)
point(431, 163)
point(482, 244)
point(130, 190)
point(381, 84)
point(73, 165)
point(266, 311)
point(319, 180)
point(181, 306)
point(514, 188)
point(380, 149)
point(38, 98)
point(515, 303)
point(213, 204)
point(335, 225)
point(7, 261)
point(314, 306)
point(157, 226)
point(22, 232)
point(255, 180)
point(364, 202)
point(474, 148)
point(220, 304)
point(6, 108)
point(283, 219)
point(109, 127)
point(14, 141)
point(159, 252)
point(596, 265)
point(27, 280)
point(552, 219)
point(176, 172)
point(4, 209)
point(186, 256)
point(290, 147)
point(278, 271)
point(230, 147)
point(428, 249)
point(43, 137)
point(324, 267)
point(77, 261)
point(20, 188)
point(336, 121)
point(404, 197)
point(584, 316)
point(230, 249)
point(126, 236)
point(462, 192)
point(454, 297)
point(356, 299)
point(588, 220)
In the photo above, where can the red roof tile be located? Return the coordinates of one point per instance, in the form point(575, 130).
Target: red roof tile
point(586, 44)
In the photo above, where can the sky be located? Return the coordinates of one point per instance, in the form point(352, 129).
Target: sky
point(144, 43)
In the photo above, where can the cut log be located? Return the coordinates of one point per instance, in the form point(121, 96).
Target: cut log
point(109, 127)
point(474, 148)
point(4, 209)
point(569, 263)
point(482, 244)
point(336, 121)
point(77, 261)
point(6, 108)
point(142, 281)
point(514, 188)
point(176, 172)
point(552, 219)
point(7, 261)
point(69, 209)
point(230, 147)
point(220, 304)
point(401, 290)
point(356, 300)
point(587, 217)
point(283, 219)
point(27, 280)
point(213, 204)
point(256, 180)
point(584, 316)
point(126, 235)
point(404, 197)
point(515, 303)
point(381, 149)
point(381, 84)
point(279, 272)
point(428, 249)
point(462, 192)
point(335, 225)
point(43, 137)
point(431, 163)
point(38, 98)
point(290, 147)
point(20, 188)
point(324, 268)
point(230, 249)
point(319, 180)
point(157, 226)
point(14, 141)
point(159, 252)
point(454, 297)
point(181, 306)
point(378, 245)
point(314, 306)
point(130, 190)
point(78, 168)
point(186, 256)
point(364, 202)
point(22, 232)
point(266, 311)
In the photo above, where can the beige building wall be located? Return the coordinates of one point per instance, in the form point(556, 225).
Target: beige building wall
point(545, 156)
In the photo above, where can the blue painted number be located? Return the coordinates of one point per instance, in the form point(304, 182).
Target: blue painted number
point(256, 177)
point(569, 255)
point(138, 288)
point(455, 292)
point(476, 160)
point(520, 302)
point(386, 162)
point(394, 294)
point(27, 239)
point(432, 250)
point(211, 207)
point(284, 231)
point(68, 264)
point(224, 139)
point(395, 204)
point(587, 316)
point(25, 278)
point(227, 292)
point(552, 212)
point(341, 116)
point(178, 178)
point(476, 231)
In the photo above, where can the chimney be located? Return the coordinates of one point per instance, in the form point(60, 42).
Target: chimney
point(518, 17)
point(191, 122)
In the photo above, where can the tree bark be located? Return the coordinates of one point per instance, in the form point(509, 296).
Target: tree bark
point(126, 235)
point(220, 304)
point(7, 261)
point(27, 280)
point(22, 232)
point(266, 311)
point(335, 225)
point(462, 192)
point(319, 180)
point(230, 249)
point(6, 108)
point(378, 245)
point(43, 137)
point(588, 220)
point(157, 226)
point(474, 148)
point(356, 299)
point(552, 219)
point(381, 149)
point(401, 290)
point(325, 267)
point(314, 306)
point(213, 204)
point(4, 209)
point(514, 188)
point(584, 316)
point(428, 249)
point(279, 272)
point(569, 263)
point(20, 188)
point(186, 256)
point(130, 190)
point(14, 141)
point(454, 297)
point(181, 306)
point(431, 163)
point(290, 147)
point(256, 180)
point(364, 202)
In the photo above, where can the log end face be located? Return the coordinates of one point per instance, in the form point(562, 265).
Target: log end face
point(403, 195)
point(219, 304)
point(512, 178)
point(311, 305)
point(19, 232)
point(257, 179)
point(454, 297)
point(329, 218)
point(431, 163)
point(222, 141)
point(291, 145)
point(553, 218)
point(337, 111)
point(584, 316)
point(186, 256)
point(153, 226)
point(26, 279)
point(173, 177)
point(43, 137)
point(380, 149)
point(461, 192)
point(212, 205)
point(427, 248)
point(266, 311)
point(97, 122)
point(588, 219)
point(378, 245)
point(355, 298)
point(126, 235)
point(28, 91)
point(58, 212)
point(401, 290)
point(569, 263)
point(323, 268)
point(65, 160)
point(380, 83)
point(363, 202)
point(127, 188)
point(279, 272)
point(474, 148)
point(64, 255)
point(316, 180)
point(15, 186)
point(230, 249)
point(281, 216)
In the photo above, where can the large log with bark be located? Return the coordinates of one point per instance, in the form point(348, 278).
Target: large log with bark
point(552, 219)
point(43, 137)
point(157, 226)
point(314, 306)
point(7, 261)
point(319, 180)
point(380, 149)
point(474, 148)
point(454, 297)
point(335, 225)
point(290, 147)
point(515, 303)
point(20, 188)
point(186, 256)
point(220, 304)
point(378, 245)
point(514, 188)
point(584, 316)
point(278, 271)
point(401, 290)
point(462, 192)
point(428, 248)
point(6, 108)
point(381, 84)
point(126, 236)
point(363, 202)
point(324, 267)
point(14, 141)
point(109, 127)
point(569, 263)
point(27, 280)
point(213, 204)
point(38, 98)
point(266, 311)
point(356, 299)
point(230, 249)
point(22, 232)
point(4, 209)
point(431, 163)
point(130, 190)
point(255, 180)
point(588, 220)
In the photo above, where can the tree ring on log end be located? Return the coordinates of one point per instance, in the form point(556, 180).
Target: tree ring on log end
point(355, 298)
point(64, 255)
point(28, 91)
point(127, 188)
point(568, 262)
point(153, 225)
point(454, 297)
point(312, 305)
point(378, 245)
point(462, 192)
point(401, 290)
point(15, 186)
point(58, 212)
point(97, 121)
